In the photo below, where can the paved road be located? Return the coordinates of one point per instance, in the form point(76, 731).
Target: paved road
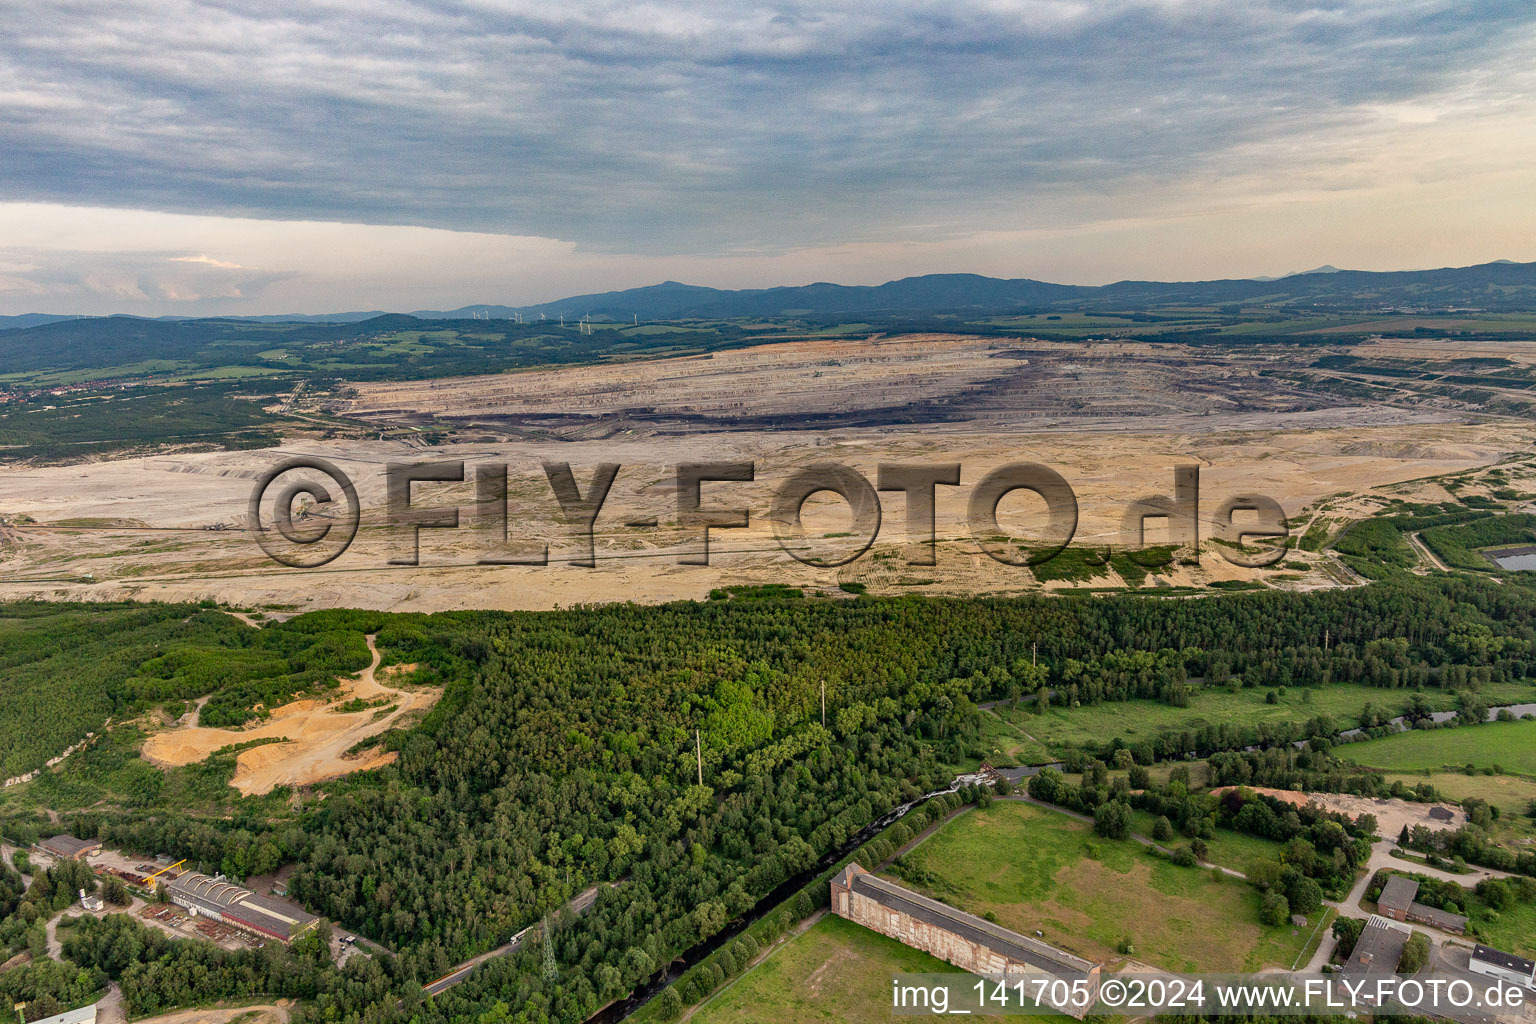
point(1381, 857)
point(579, 905)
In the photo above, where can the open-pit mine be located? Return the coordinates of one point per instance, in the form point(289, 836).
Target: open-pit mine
point(1328, 439)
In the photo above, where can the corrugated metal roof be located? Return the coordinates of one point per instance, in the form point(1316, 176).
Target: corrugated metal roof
point(69, 846)
point(84, 1015)
point(241, 903)
point(1437, 917)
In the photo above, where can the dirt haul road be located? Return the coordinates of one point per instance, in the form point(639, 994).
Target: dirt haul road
point(316, 736)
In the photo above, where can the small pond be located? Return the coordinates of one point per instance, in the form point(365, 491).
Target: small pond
point(1525, 559)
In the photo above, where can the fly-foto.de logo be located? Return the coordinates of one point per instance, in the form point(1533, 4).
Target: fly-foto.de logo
point(304, 512)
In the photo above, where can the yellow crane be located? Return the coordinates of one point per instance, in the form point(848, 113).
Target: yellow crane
point(150, 881)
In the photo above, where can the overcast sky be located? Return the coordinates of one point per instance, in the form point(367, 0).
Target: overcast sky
point(182, 156)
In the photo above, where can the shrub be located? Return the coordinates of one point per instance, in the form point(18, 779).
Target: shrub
point(1304, 895)
point(670, 1004)
point(1415, 954)
point(1112, 819)
point(1275, 910)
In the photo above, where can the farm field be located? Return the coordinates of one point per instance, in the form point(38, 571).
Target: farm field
point(834, 971)
point(1060, 727)
point(1039, 870)
point(1509, 745)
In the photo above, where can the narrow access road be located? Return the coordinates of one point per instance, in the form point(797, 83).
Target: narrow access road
point(1425, 555)
point(8, 851)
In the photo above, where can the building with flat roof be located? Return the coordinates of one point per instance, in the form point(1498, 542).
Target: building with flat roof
point(962, 939)
point(1495, 963)
point(225, 901)
point(84, 1015)
point(1379, 949)
point(68, 847)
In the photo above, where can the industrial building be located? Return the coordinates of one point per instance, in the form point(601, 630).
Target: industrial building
point(1397, 902)
point(1495, 963)
point(1379, 949)
point(84, 1015)
point(225, 901)
point(69, 848)
point(954, 936)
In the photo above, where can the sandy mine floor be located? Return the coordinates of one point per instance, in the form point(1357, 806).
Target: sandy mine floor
point(318, 737)
point(1113, 419)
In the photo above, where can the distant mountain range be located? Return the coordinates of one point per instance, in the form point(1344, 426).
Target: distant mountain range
point(1501, 285)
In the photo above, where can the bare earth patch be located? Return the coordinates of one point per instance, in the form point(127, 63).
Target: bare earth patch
point(1112, 418)
point(1391, 815)
point(253, 1014)
point(315, 737)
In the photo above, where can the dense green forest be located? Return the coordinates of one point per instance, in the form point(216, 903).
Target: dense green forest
point(562, 755)
point(66, 669)
point(383, 348)
point(79, 424)
point(1457, 545)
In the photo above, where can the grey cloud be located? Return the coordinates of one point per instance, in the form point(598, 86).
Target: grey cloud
point(672, 126)
point(164, 279)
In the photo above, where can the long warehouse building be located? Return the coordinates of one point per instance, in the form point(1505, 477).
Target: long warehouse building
point(967, 941)
point(225, 901)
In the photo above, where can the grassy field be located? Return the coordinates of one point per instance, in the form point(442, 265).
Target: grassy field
point(1229, 849)
point(1513, 930)
point(834, 971)
point(1039, 870)
point(1509, 745)
point(1060, 728)
point(1008, 742)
